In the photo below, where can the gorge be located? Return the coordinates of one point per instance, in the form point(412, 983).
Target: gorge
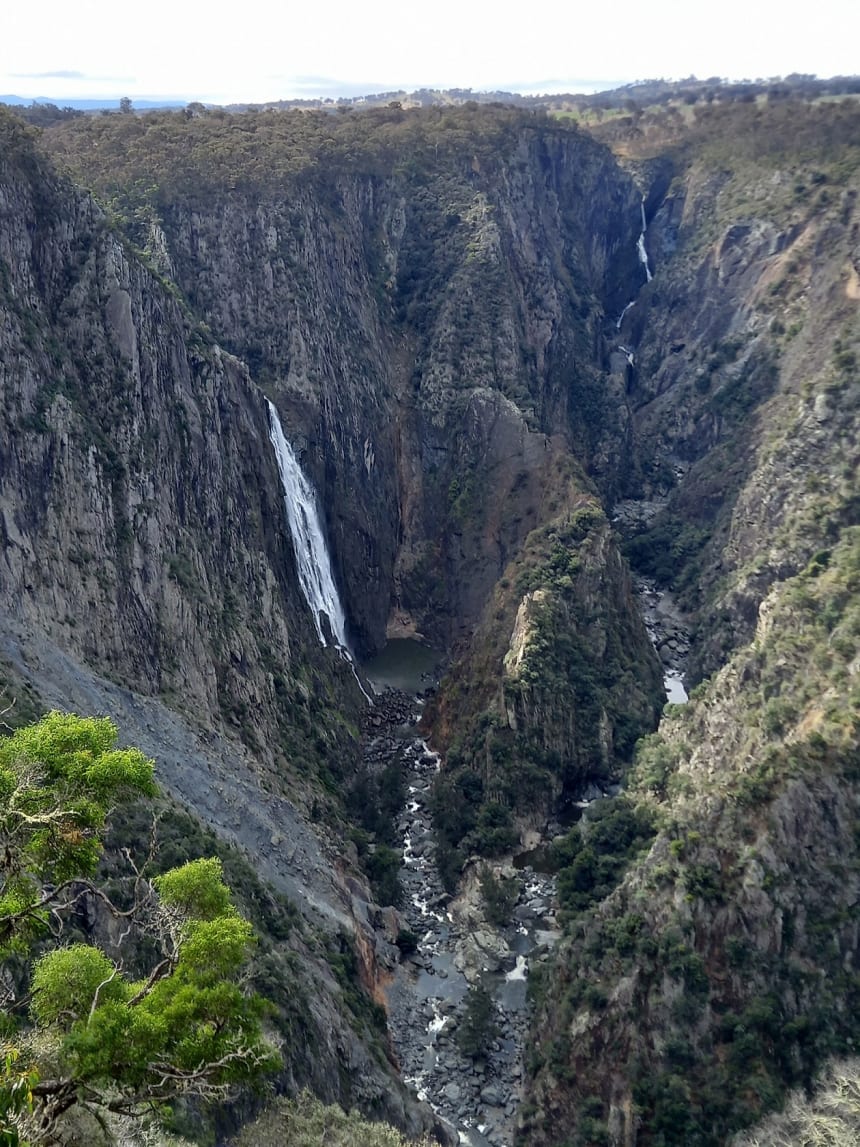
point(432, 301)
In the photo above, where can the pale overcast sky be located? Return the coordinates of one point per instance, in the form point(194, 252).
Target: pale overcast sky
point(251, 50)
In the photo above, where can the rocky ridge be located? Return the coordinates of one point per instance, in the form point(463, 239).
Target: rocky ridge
point(743, 347)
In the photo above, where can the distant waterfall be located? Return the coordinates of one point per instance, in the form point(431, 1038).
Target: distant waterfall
point(620, 318)
point(643, 259)
point(640, 246)
point(314, 566)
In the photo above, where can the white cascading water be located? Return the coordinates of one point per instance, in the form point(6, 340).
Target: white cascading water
point(640, 246)
point(315, 576)
point(620, 318)
point(628, 354)
point(643, 259)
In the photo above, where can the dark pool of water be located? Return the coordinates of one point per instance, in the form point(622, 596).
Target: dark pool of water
point(403, 664)
point(452, 986)
point(541, 859)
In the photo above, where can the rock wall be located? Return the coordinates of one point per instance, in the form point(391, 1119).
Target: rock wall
point(418, 328)
point(431, 324)
point(744, 382)
point(143, 526)
point(723, 970)
point(147, 572)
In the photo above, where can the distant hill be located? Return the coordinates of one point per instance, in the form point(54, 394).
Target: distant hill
point(111, 104)
point(641, 93)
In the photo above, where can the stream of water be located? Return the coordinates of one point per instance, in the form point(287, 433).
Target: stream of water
point(455, 950)
point(640, 246)
point(666, 624)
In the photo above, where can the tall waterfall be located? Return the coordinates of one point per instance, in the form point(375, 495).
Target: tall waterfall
point(643, 259)
point(314, 566)
point(640, 246)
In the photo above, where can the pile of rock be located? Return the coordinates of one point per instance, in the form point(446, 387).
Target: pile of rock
point(665, 625)
point(391, 708)
point(480, 1092)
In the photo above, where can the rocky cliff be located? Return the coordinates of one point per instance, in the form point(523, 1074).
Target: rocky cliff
point(425, 298)
point(143, 526)
point(723, 969)
point(147, 572)
point(745, 367)
point(438, 304)
point(408, 266)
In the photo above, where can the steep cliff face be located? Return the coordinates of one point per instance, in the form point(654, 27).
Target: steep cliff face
point(379, 297)
point(151, 542)
point(560, 681)
point(723, 970)
point(430, 321)
point(147, 572)
point(725, 967)
point(746, 367)
point(587, 697)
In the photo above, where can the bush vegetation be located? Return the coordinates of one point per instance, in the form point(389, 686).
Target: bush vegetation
point(98, 1037)
point(499, 894)
point(738, 1018)
point(829, 1116)
point(477, 1028)
point(595, 854)
point(306, 1122)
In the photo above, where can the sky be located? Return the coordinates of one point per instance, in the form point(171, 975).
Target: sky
point(255, 51)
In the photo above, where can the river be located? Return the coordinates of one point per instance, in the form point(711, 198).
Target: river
point(455, 948)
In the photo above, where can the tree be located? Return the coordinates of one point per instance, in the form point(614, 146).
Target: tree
point(58, 780)
point(500, 895)
point(477, 1028)
point(95, 1037)
point(126, 106)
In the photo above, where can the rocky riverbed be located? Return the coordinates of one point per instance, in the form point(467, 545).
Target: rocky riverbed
point(455, 952)
point(668, 632)
point(666, 624)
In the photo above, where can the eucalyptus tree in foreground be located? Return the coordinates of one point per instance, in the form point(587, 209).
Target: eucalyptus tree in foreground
point(80, 1031)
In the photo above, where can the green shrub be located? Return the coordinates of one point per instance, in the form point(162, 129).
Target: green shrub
point(477, 1029)
point(500, 894)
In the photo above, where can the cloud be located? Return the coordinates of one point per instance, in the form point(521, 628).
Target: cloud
point(324, 86)
point(70, 74)
point(61, 75)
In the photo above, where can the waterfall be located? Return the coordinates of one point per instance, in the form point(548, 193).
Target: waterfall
point(314, 566)
point(643, 259)
point(640, 246)
point(628, 354)
point(620, 318)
